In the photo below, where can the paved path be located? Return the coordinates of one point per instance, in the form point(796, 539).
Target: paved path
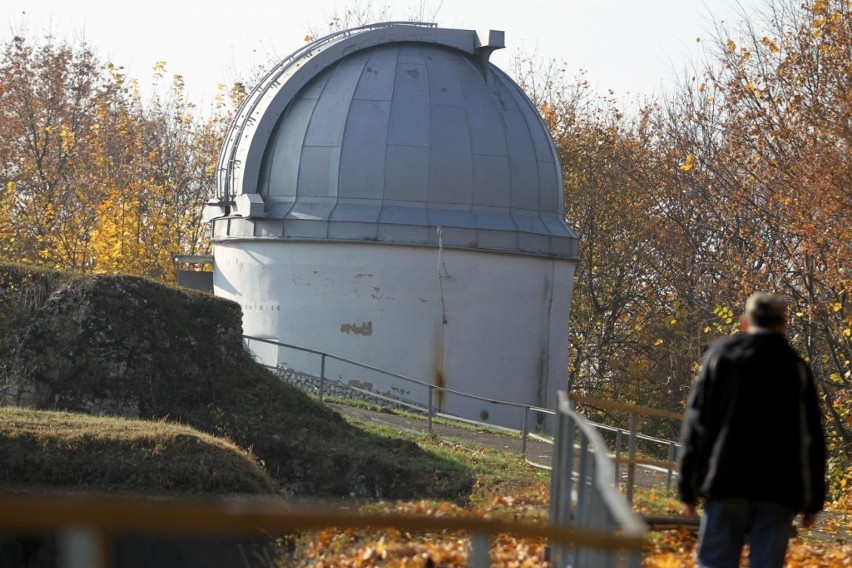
point(537, 452)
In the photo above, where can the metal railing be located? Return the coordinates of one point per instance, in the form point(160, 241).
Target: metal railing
point(583, 493)
point(634, 411)
point(427, 406)
point(86, 525)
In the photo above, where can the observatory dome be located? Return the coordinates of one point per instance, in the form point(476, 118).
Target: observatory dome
point(398, 134)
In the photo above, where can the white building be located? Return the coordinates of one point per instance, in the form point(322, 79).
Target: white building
point(390, 197)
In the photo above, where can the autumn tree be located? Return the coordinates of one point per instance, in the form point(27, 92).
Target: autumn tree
point(603, 156)
point(47, 99)
point(159, 172)
point(762, 139)
point(93, 176)
point(738, 180)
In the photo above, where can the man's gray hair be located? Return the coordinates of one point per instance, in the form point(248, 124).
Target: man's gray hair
point(765, 309)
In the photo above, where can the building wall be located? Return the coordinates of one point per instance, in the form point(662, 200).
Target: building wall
point(488, 324)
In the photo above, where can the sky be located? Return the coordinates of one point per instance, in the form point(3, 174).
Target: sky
point(636, 48)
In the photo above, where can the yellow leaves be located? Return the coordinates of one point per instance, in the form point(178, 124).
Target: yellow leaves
point(389, 547)
point(309, 38)
point(724, 312)
point(548, 113)
point(504, 500)
point(663, 560)
point(379, 551)
point(688, 164)
point(837, 307)
point(807, 554)
point(754, 90)
point(771, 45)
point(67, 138)
point(671, 549)
point(658, 342)
point(732, 47)
point(115, 73)
point(159, 69)
point(726, 318)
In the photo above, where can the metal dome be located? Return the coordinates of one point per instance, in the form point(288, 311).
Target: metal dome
point(395, 133)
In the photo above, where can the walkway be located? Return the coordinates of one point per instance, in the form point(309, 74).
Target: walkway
point(537, 452)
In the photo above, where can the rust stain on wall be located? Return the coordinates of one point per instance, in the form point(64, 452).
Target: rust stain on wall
point(439, 380)
point(363, 328)
point(440, 383)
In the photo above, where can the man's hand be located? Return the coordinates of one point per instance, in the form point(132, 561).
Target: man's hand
point(808, 520)
point(689, 510)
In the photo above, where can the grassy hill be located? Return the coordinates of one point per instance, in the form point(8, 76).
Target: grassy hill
point(129, 347)
point(57, 450)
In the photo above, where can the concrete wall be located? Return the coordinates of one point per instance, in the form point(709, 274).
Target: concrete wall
point(488, 324)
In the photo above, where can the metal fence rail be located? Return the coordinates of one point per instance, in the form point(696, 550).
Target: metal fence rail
point(633, 438)
point(87, 524)
point(426, 406)
point(583, 494)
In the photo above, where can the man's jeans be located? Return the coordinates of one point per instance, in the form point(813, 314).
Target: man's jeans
point(728, 524)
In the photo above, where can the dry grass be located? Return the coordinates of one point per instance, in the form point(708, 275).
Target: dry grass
point(80, 452)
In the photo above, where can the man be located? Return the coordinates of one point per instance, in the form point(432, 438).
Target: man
point(752, 443)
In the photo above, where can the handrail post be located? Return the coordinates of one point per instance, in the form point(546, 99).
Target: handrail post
point(631, 467)
point(561, 483)
point(322, 376)
point(671, 465)
point(479, 551)
point(524, 433)
point(81, 547)
point(617, 466)
point(430, 408)
point(585, 483)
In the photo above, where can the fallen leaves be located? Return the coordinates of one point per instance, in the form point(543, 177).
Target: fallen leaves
point(393, 548)
point(825, 547)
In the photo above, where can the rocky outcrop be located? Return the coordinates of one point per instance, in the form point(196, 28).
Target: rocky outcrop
point(122, 345)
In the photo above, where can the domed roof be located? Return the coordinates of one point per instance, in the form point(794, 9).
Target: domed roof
point(396, 133)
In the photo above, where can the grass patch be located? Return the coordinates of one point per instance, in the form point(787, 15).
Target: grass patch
point(73, 451)
point(312, 450)
point(460, 423)
point(496, 473)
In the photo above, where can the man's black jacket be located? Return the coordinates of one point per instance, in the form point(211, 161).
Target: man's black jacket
point(752, 427)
